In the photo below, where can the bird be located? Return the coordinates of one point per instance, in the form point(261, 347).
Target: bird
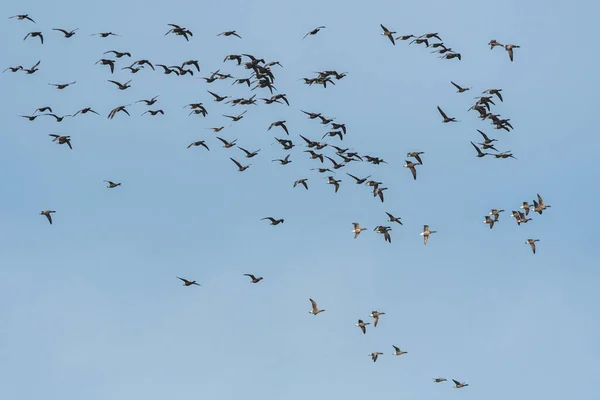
point(494, 92)
point(30, 117)
point(21, 17)
point(301, 182)
point(479, 152)
point(47, 214)
point(67, 34)
point(363, 325)
point(426, 232)
point(315, 310)
point(358, 180)
point(104, 34)
point(416, 155)
point(385, 231)
point(115, 110)
point(227, 144)
point(374, 355)
point(253, 278)
point(32, 69)
point(438, 380)
point(531, 242)
point(495, 213)
point(460, 89)
point(508, 47)
point(14, 69)
point(35, 34)
point(249, 154)
point(154, 112)
point(112, 185)
point(274, 221)
point(393, 219)
point(199, 143)
point(540, 206)
point(148, 102)
point(188, 283)
point(446, 118)
point(58, 119)
point(489, 221)
point(459, 385)
point(285, 161)
point(397, 351)
point(229, 33)
point(236, 117)
point(388, 33)
point(217, 97)
point(122, 86)
point(314, 31)
point(61, 86)
point(357, 229)
point(332, 181)
point(281, 124)
point(85, 111)
point(241, 167)
point(411, 165)
point(375, 315)
point(118, 54)
point(493, 43)
point(61, 139)
point(110, 63)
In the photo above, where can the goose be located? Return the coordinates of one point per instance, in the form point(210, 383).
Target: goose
point(379, 192)
point(118, 109)
point(280, 96)
point(301, 182)
point(493, 43)
point(241, 167)
point(281, 124)
point(322, 170)
point(494, 92)
point(339, 126)
point(336, 183)
point(460, 89)
point(249, 154)
point(167, 70)
point(218, 128)
point(67, 34)
point(388, 33)
point(486, 139)
point(375, 315)
point(21, 17)
point(426, 232)
point(154, 112)
point(363, 325)
point(112, 185)
point(459, 385)
point(531, 242)
point(315, 310)
point(397, 351)
point(14, 69)
point(336, 165)
point(333, 133)
point(85, 111)
point(541, 206)
point(35, 34)
point(393, 219)
point(104, 34)
point(236, 118)
point(62, 139)
point(274, 221)
point(32, 69)
point(148, 102)
point(110, 63)
point(405, 37)
point(489, 221)
point(314, 156)
point(446, 118)
point(438, 380)
point(285, 161)
point(188, 283)
point(198, 143)
point(416, 155)
point(311, 115)
point(526, 207)
point(385, 231)
point(253, 278)
point(229, 33)
point(508, 47)
point(227, 144)
point(479, 152)
point(47, 214)
point(286, 143)
point(411, 165)
point(420, 41)
point(217, 97)
point(314, 31)
point(141, 63)
point(358, 180)
point(30, 117)
point(374, 355)
point(496, 213)
point(118, 54)
point(191, 62)
point(357, 229)
point(233, 57)
point(58, 119)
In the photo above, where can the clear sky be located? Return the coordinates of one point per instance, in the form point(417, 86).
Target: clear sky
point(91, 307)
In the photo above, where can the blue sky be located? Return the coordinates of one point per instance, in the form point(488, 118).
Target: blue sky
point(92, 308)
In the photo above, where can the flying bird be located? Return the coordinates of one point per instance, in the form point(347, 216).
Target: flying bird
point(315, 310)
point(363, 325)
point(375, 315)
point(253, 278)
point(229, 33)
point(67, 34)
point(314, 31)
point(531, 242)
point(274, 221)
point(301, 182)
point(21, 17)
point(446, 118)
point(47, 214)
point(35, 34)
point(188, 283)
point(388, 33)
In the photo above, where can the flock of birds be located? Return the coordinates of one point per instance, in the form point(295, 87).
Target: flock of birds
point(262, 77)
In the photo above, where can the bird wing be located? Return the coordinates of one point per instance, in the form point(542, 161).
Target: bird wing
point(314, 304)
point(442, 112)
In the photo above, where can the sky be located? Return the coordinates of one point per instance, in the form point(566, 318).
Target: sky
point(91, 306)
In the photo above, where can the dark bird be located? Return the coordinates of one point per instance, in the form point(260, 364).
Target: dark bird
point(154, 112)
point(253, 278)
point(241, 167)
point(67, 34)
point(460, 89)
point(30, 117)
point(58, 119)
point(508, 47)
point(486, 139)
point(375, 315)
point(62, 140)
point(227, 144)
point(274, 221)
point(531, 242)
point(358, 180)
point(229, 33)
point(237, 117)
point(112, 185)
point(426, 232)
point(21, 17)
point(32, 69)
point(493, 43)
point(362, 325)
point(479, 152)
point(281, 124)
point(494, 92)
point(199, 143)
point(14, 69)
point(397, 351)
point(191, 62)
point(234, 57)
point(188, 283)
point(122, 86)
point(334, 182)
point(314, 31)
point(388, 33)
point(285, 161)
point(115, 110)
point(118, 54)
point(35, 34)
point(411, 165)
point(416, 155)
point(141, 63)
point(315, 310)
point(249, 154)
point(43, 109)
point(301, 182)
point(393, 219)
point(446, 119)
point(61, 86)
point(459, 385)
point(438, 380)
point(85, 111)
point(104, 34)
point(47, 214)
point(489, 221)
point(168, 70)
point(374, 355)
point(539, 206)
point(148, 102)
point(110, 63)
point(339, 126)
